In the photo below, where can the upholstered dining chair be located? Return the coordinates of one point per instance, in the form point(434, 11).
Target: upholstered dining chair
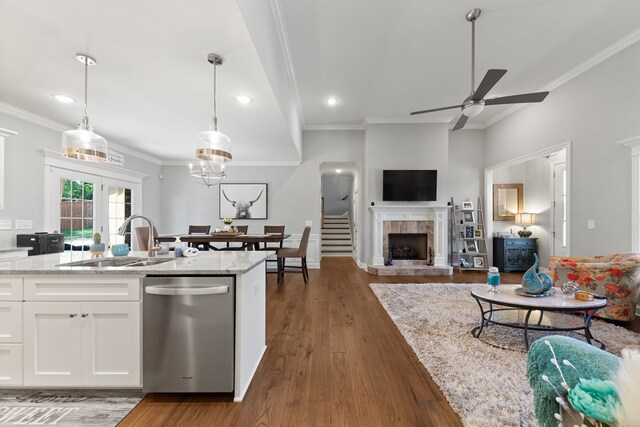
point(299, 252)
point(273, 229)
point(142, 235)
point(243, 246)
point(199, 229)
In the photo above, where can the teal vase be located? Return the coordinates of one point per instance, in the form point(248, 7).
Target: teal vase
point(534, 282)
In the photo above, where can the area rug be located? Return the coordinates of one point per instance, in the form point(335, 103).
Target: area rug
point(485, 384)
point(95, 408)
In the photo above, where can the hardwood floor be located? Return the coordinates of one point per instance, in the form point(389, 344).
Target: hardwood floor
point(334, 358)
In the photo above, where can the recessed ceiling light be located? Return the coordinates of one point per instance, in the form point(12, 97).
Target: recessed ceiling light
point(243, 99)
point(338, 170)
point(332, 101)
point(63, 98)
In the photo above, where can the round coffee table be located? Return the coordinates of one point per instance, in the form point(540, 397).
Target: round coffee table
point(508, 300)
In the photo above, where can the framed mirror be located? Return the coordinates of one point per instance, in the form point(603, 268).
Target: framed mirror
point(507, 201)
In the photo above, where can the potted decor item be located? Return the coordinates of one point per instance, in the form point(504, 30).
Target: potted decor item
point(227, 223)
point(97, 249)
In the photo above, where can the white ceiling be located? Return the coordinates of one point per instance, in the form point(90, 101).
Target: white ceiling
point(152, 88)
point(384, 59)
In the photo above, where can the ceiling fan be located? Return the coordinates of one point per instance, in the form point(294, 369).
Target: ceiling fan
point(475, 103)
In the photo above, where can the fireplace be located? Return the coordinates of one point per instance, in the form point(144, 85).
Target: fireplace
point(412, 220)
point(408, 246)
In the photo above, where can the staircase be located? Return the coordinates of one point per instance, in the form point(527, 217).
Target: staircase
point(336, 236)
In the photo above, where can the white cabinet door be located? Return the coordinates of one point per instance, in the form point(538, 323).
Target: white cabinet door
point(10, 322)
point(52, 344)
point(111, 344)
point(10, 364)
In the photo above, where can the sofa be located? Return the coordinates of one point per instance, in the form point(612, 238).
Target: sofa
point(590, 362)
point(616, 276)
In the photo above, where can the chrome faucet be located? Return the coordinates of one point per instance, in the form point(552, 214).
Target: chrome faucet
point(123, 228)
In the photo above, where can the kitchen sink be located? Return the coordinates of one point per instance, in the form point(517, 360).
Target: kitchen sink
point(117, 262)
point(150, 261)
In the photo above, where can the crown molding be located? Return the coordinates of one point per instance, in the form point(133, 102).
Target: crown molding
point(241, 163)
point(406, 120)
point(6, 133)
point(281, 29)
point(32, 118)
point(360, 126)
point(59, 127)
point(596, 59)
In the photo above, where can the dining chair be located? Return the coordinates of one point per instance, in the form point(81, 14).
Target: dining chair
point(199, 229)
point(267, 246)
point(142, 234)
point(243, 246)
point(299, 252)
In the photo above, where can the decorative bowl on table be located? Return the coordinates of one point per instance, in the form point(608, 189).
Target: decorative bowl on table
point(121, 249)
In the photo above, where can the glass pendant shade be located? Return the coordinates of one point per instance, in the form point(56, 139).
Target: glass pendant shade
point(213, 146)
point(84, 144)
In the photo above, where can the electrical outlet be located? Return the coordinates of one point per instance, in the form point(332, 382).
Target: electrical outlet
point(308, 223)
point(5, 224)
point(24, 224)
point(591, 224)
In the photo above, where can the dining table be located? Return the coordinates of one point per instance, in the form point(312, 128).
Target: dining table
point(252, 241)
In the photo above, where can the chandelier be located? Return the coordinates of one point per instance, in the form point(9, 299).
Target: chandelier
point(208, 173)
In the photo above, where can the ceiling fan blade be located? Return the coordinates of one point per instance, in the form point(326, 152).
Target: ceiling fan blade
point(461, 122)
point(489, 81)
point(435, 109)
point(517, 99)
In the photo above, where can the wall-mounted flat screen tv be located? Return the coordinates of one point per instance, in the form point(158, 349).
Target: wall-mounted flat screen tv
point(409, 185)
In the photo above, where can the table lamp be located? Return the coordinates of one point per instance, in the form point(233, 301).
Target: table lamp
point(525, 219)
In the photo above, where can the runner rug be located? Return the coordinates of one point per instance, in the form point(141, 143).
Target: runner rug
point(95, 408)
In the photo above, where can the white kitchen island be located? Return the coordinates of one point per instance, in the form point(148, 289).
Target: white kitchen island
point(81, 327)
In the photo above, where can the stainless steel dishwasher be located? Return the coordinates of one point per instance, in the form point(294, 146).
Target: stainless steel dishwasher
point(188, 334)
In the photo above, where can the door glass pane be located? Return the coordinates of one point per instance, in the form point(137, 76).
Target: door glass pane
point(76, 214)
point(119, 210)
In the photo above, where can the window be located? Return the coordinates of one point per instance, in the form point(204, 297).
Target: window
point(119, 209)
point(81, 204)
point(77, 213)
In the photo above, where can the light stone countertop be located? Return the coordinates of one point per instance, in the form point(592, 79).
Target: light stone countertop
point(205, 263)
point(14, 249)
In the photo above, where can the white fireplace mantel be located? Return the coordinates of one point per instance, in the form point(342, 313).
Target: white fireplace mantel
point(438, 214)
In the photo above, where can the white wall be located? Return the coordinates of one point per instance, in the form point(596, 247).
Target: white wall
point(537, 200)
point(24, 176)
point(594, 110)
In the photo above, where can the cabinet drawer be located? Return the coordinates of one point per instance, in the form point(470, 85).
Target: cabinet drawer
point(10, 364)
point(10, 288)
point(10, 322)
point(519, 242)
point(92, 288)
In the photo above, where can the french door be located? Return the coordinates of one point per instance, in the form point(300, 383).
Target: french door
point(83, 204)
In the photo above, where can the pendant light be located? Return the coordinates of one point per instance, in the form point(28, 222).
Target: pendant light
point(214, 146)
point(83, 143)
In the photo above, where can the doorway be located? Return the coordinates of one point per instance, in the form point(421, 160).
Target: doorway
point(546, 196)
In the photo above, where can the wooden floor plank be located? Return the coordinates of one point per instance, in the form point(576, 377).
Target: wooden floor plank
point(334, 358)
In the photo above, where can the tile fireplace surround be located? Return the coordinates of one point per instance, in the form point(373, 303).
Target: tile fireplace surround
point(431, 220)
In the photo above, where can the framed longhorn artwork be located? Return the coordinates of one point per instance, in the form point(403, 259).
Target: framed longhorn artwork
point(243, 201)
